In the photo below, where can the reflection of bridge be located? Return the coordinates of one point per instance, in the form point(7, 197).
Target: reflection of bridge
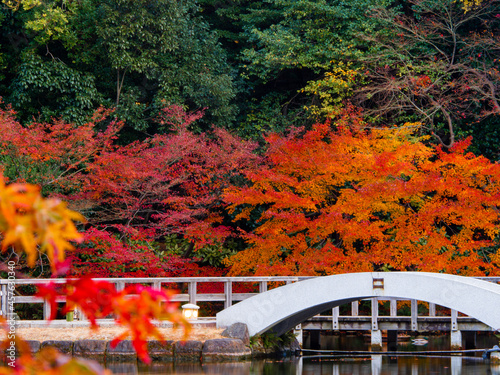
point(283, 308)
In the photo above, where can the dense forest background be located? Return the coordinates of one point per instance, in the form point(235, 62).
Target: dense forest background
point(259, 137)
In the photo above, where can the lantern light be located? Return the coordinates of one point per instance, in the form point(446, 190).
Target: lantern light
point(190, 311)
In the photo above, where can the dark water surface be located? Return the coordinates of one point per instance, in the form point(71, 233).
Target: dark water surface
point(375, 364)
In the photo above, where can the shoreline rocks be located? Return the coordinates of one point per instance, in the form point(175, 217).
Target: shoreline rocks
point(214, 350)
point(236, 347)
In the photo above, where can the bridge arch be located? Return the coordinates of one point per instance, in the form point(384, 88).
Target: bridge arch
point(282, 308)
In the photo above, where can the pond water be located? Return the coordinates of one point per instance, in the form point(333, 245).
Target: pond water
point(375, 364)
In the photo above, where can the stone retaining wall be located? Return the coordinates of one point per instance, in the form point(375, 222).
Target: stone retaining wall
point(215, 350)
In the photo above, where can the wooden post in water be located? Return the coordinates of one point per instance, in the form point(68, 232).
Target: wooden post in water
point(392, 335)
point(392, 340)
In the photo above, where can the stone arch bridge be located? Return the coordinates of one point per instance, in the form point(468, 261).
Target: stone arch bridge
point(281, 309)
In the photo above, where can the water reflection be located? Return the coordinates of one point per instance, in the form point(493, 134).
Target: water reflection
point(227, 368)
point(382, 365)
point(374, 365)
point(404, 343)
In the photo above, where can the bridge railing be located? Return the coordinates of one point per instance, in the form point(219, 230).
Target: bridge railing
point(354, 320)
point(449, 317)
point(192, 295)
point(177, 283)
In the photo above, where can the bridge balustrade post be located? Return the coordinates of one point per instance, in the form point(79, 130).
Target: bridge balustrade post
point(455, 334)
point(120, 285)
point(46, 310)
point(376, 333)
point(262, 286)
point(355, 308)
point(157, 285)
point(414, 315)
point(394, 307)
point(192, 286)
point(432, 309)
point(454, 320)
point(335, 318)
point(228, 294)
point(374, 314)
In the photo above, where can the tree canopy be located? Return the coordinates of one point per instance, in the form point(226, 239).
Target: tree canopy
point(66, 59)
point(151, 118)
point(349, 201)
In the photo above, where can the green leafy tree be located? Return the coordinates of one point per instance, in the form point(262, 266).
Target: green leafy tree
point(290, 56)
point(66, 59)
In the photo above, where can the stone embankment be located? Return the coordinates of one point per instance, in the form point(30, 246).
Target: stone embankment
point(225, 349)
point(235, 346)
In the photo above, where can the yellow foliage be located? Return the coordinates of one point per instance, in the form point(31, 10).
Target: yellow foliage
point(469, 4)
point(331, 90)
point(27, 4)
point(31, 223)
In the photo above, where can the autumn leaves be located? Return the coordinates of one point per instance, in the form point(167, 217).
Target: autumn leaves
point(330, 199)
point(343, 200)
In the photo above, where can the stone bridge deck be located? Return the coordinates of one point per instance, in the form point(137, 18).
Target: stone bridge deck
point(286, 307)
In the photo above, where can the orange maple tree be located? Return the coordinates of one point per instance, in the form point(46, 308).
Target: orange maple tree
point(349, 201)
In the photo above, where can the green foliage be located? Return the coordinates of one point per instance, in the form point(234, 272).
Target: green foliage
point(270, 113)
point(486, 136)
point(269, 340)
point(139, 56)
point(50, 88)
point(287, 51)
point(432, 62)
point(214, 255)
point(136, 34)
point(309, 34)
point(172, 244)
point(22, 168)
point(331, 91)
point(49, 21)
